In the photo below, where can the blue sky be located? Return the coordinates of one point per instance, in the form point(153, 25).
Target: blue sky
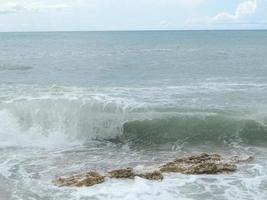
point(77, 15)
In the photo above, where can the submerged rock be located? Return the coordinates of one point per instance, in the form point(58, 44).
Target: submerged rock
point(122, 173)
point(237, 159)
point(88, 179)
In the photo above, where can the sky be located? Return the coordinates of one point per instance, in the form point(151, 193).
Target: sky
point(90, 15)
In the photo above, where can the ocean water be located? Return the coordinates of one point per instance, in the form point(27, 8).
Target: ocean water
point(79, 101)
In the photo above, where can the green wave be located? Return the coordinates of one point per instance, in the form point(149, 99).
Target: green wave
point(194, 130)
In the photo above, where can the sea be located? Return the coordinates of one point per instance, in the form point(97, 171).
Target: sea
point(72, 102)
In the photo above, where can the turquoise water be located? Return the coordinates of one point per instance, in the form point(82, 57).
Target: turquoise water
point(78, 101)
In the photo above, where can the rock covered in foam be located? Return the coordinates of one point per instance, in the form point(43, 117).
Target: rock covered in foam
point(239, 160)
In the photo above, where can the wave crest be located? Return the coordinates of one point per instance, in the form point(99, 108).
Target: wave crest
point(89, 119)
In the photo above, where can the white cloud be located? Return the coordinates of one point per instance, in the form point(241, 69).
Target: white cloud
point(18, 6)
point(11, 7)
point(129, 14)
point(243, 10)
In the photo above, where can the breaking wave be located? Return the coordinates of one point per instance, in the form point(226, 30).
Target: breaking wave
point(64, 121)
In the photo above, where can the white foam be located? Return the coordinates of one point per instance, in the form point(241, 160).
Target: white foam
point(11, 134)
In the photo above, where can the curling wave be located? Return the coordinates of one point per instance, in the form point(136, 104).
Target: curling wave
point(195, 130)
point(64, 115)
point(62, 119)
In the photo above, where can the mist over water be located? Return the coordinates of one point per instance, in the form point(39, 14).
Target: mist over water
point(75, 102)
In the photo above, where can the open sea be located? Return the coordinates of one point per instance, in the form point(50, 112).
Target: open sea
point(79, 101)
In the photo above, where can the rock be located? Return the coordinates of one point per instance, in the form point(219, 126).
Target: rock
point(130, 174)
point(199, 159)
point(122, 173)
point(209, 168)
point(199, 164)
point(156, 175)
point(88, 179)
point(225, 167)
point(172, 167)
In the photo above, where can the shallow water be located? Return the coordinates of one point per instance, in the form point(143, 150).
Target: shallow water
point(74, 102)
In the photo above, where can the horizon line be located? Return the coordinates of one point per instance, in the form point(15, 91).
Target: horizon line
point(131, 30)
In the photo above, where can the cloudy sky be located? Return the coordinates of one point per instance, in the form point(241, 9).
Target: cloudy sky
point(60, 15)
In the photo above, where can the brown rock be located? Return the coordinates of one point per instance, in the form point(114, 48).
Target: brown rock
point(199, 164)
point(199, 159)
point(156, 175)
point(88, 179)
point(209, 168)
point(122, 173)
point(172, 167)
